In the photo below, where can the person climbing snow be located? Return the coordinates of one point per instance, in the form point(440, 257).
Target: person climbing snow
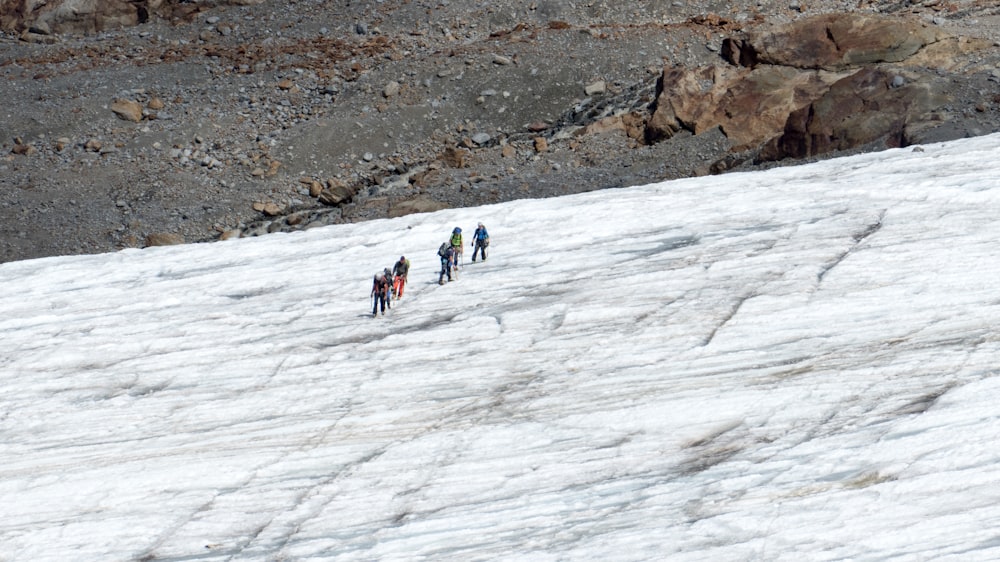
point(388, 281)
point(456, 246)
point(447, 254)
point(400, 269)
point(480, 240)
point(380, 288)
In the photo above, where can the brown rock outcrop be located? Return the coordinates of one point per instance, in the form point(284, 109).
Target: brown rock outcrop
point(826, 83)
point(835, 42)
point(750, 105)
point(862, 108)
point(70, 16)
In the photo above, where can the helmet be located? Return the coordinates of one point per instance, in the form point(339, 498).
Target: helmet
point(480, 225)
point(402, 258)
point(457, 230)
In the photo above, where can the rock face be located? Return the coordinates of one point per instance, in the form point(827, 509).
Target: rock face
point(835, 42)
point(750, 105)
point(71, 16)
point(48, 17)
point(211, 120)
point(862, 108)
point(827, 83)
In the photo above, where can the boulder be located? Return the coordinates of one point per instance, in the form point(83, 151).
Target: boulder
point(164, 239)
point(835, 42)
point(860, 109)
point(127, 109)
point(337, 193)
point(418, 204)
point(632, 125)
point(268, 208)
point(825, 83)
point(750, 105)
point(454, 157)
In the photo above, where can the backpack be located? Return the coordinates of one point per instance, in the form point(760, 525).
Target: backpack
point(443, 250)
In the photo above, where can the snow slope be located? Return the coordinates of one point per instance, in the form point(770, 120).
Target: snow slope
point(798, 364)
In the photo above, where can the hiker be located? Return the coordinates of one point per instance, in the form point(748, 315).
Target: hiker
point(456, 245)
point(447, 253)
point(388, 282)
point(379, 290)
point(480, 240)
point(400, 270)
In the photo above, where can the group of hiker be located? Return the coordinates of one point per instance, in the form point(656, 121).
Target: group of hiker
point(388, 285)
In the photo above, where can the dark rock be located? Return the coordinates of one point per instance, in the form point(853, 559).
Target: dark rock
point(857, 110)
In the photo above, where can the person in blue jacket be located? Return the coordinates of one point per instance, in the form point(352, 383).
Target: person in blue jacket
point(480, 240)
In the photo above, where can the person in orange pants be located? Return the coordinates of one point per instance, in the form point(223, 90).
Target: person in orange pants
point(400, 270)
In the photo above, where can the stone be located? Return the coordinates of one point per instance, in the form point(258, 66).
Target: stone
point(272, 209)
point(164, 239)
point(541, 145)
point(391, 90)
point(632, 125)
point(315, 188)
point(127, 110)
point(24, 149)
point(337, 193)
point(598, 87)
point(418, 204)
point(428, 178)
point(454, 157)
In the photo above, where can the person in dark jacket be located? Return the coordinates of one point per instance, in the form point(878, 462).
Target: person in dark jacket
point(389, 281)
point(480, 240)
point(380, 292)
point(447, 253)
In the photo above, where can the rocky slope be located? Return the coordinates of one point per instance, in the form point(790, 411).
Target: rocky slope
point(159, 121)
